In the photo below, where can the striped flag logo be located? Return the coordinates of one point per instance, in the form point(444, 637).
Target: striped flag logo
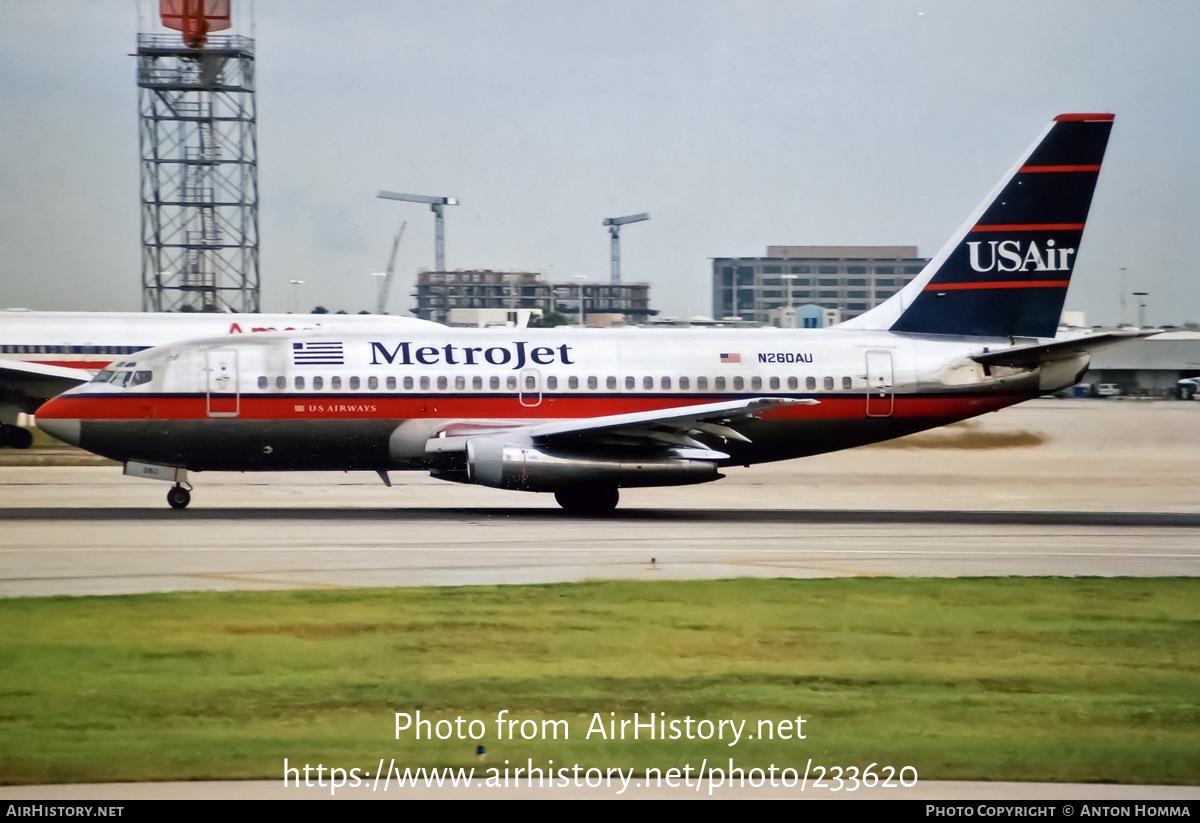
point(731, 358)
point(320, 353)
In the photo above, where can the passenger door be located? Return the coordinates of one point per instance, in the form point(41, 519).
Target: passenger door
point(880, 397)
point(221, 369)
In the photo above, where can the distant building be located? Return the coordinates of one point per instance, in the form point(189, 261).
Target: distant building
point(1151, 367)
point(808, 316)
point(439, 292)
point(849, 279)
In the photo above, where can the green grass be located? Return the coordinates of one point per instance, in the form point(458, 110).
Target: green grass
point(1080, 679)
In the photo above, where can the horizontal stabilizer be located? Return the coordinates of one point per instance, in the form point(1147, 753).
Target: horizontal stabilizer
point(1034, 356)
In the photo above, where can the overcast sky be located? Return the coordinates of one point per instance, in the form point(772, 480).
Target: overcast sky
point(737, 125)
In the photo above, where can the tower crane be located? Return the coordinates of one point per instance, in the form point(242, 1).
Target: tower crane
point(436, 205)
point(386, 285)
point(614, 228)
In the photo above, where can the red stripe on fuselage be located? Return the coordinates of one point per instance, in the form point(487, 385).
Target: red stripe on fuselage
point(1001, 284)
point(316, 407)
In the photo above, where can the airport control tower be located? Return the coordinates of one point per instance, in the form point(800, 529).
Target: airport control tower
point(199, 176)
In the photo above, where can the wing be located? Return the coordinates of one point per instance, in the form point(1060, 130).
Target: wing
point(674, 429)
point(29, 385)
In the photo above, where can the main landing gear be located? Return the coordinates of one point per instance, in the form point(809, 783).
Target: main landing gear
point(588, 500)
point(15, 437)
point(179, 497)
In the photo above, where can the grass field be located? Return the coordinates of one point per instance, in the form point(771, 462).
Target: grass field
point(1081, 679)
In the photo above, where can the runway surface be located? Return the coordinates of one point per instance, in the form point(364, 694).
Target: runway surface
point(88, 551)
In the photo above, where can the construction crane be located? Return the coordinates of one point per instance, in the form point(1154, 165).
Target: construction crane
point(436, 205)
point(614, 228)
point(386, 284)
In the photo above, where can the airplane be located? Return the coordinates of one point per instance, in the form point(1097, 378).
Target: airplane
point(43, 354)
point(583, 413)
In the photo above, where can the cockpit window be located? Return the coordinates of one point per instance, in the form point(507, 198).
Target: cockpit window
point(124, 377)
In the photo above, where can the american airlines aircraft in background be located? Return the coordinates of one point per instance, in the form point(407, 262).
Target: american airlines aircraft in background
point(583, 413)
point(45, 353)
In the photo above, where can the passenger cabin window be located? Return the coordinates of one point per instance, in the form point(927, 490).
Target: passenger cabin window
point(318, 383)
point(846, 383)
point(424, 382)
point(335, 382)
point(611, 383)
point(262, 382)
point(530, 382)
point(630, 382)
point(552, 383)
point(299, 382)
point(739, 383)
point(476, 382)
point(828, 384)
point(354, 383)
point(442, 383)
point(810, 383)
point(666, 382)
point(408, 384)
point(702, 383)
point(684, 384)
point(572, 382)
point(719, 383)
point(756, 383)
point(281, 382)
point(774, 382)
point(372, 382)
point(494, 383)
point(647, 382)
point(391, 383)
point(511, 382)
point(460, 383)
point(793, 383)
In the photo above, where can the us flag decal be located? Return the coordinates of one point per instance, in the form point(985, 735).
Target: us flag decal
point(731, 358)
point(320, 353)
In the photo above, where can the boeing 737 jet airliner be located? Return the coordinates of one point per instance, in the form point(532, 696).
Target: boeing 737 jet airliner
point(583, 413)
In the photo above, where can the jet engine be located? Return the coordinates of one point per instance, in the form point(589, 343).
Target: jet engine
point(526, 467)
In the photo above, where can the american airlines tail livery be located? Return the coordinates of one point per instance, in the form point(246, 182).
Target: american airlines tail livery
point(45, 353)
point(583, 413)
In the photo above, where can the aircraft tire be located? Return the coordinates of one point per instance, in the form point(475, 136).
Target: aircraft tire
point(587, 500)
point(14, 437)
point(179, 497)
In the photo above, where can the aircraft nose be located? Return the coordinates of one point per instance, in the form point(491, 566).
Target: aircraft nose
point(51, 419)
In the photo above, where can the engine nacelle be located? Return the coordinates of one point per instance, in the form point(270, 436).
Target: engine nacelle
point(524, 467)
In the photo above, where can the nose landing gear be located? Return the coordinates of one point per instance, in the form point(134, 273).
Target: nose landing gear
point(179, 497)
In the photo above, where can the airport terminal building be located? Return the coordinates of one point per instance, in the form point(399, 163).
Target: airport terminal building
point(848, 279)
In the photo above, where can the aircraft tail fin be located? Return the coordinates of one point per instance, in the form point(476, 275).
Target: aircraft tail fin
point(1005, 272)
